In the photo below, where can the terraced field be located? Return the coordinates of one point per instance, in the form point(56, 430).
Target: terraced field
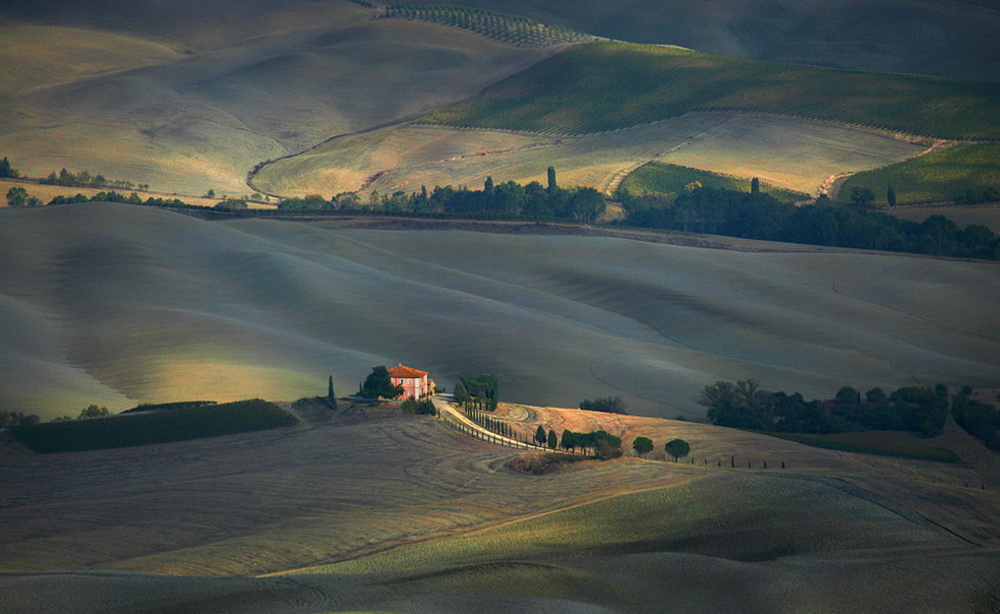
point(609, 85)
point(789, 153)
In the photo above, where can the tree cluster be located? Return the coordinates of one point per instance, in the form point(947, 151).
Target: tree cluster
point(16, 418)
point(19, 197)
point(115, 197)
point(979, 419)
point(478, 391)
point(744, 404)
point(608, 405)
point(378, 385)
point(421, 408)
point(761, 216)
point(974, 196)
point(603, 444)
point(508, 199)
point(84, 179)
point(7, 171)
point(93, 411)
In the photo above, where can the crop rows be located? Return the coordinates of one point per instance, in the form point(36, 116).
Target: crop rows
point(609, 85)
point(511, 29)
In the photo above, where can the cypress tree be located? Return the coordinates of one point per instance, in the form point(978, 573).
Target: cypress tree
point(890, 195)
point(553, 439)
point(755, 186)
point(331, 396)
point(540, 437)
point(552, 178)
point(488, 186)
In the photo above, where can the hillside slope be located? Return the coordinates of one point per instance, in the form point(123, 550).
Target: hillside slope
point(366, 509)
point(134, 93)
point(930, 37)
point(118, 304)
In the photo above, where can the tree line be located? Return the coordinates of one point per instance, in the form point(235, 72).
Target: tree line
point(761, 216)
point(507, 199)
point(84, 179)
point(920, 409)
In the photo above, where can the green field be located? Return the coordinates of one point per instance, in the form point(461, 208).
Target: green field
point(611, 85)
point(149, 428)
point(936, 177)
point(658, 178)
point(881, 443)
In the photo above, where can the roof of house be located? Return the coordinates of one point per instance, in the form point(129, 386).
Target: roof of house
point(401, 371)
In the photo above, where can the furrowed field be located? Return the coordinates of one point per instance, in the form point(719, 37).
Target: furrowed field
point(609, 85)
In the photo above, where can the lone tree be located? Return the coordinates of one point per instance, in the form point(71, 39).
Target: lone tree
point(890, 195)
point(379, 384)
point(642, 445)
point(678, 448)
point(540, 437)
point(331, 396)
point(755, 185)
point(552, 179)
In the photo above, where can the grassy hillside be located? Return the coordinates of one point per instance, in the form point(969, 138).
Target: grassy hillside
point(940, 176)
point(154, 427)
point(608, 85)
point(657, 178)
point(119, 304)
point(932, 37)
point(187, 109)
point(790, 153)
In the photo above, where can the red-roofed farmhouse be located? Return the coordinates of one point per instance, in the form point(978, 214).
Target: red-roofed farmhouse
point(413, 381)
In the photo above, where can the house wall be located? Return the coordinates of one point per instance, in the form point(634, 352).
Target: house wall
point(412, 386)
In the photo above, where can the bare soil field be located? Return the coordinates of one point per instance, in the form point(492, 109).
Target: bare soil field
point(371, 510)
point(786, 152)
point(116, 305)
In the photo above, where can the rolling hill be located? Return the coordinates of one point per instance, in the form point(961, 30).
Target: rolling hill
point(791, 153)
point(280, 521)
point(603, 86)
point(118, 304)
point(133, 93)
point(936, 37)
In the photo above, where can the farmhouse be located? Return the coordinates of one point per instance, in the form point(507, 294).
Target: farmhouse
point(413, 381)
